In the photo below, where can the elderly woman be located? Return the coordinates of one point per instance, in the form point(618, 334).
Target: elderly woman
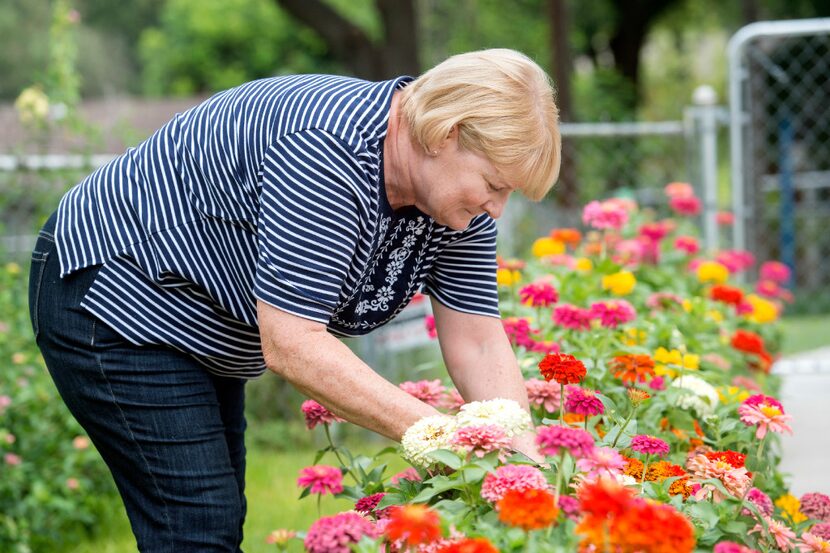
point(252, 230)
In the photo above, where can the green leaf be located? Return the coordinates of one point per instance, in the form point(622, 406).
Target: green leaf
point(446, 457)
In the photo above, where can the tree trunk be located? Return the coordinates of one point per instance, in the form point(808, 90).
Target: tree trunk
point(400, 43)
point(562, 70)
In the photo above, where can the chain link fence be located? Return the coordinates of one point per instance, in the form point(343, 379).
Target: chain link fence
point(780, 140)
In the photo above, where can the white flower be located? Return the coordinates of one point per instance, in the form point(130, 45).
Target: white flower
point(703, 399)
point(426, 435)
point(505, 413)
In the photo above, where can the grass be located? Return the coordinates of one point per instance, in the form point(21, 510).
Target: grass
point(805, 332)
point(272, 502)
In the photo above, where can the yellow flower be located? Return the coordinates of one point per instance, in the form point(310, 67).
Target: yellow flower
point(634, 337)
point(506, 277)
point(712, 271)
point(763, 311)
point(732, 394)
point(673, 357)
point(790, 505)
point(13, 268)
point(715, 315)
point(584, 265)
point(687, 306)
point(691, 361)
point(620, 284)
point(547, 246)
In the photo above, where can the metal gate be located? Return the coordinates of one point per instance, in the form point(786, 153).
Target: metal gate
point(780, 149)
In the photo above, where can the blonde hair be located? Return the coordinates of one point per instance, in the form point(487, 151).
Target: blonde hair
point(503, 105)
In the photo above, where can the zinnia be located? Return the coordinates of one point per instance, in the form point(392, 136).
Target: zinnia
point(429, 391)
point(511, 477)
point(712, 271)
point(583, 402)
point(469, 545)
point(543, 393)
point(775, 271)
point(571, 317)
point(336, 533)
point(612, 313)
point(554, 439)
point(480, 440)
point(529, 509)
point(726, 294)
point(538, 294)
point(414, 524)
point(816, 506)
point(688, 244)
point(649, 445)
point(563, 368)
point(633, 368)
point(620, 283)
point(767, 416)
point(605, 215)
point(688, 206)
point(602, 461)
point(321, 479)
point(315, 414)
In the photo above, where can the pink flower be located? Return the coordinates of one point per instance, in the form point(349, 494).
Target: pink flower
point(746, 382)
point(657, 383)
point(569, 506)
point(72, 483)
point(767, 414)
point(5, 401)
point(603, 461)
point(553, 439)
point(12, 459)
point(678, 190)
point(649, 445)
point(368, 504)
point(315, 414)
point(663, 300)
point(321, 479)
point(518, 331)
point(732, 547)
point(735, 480)
point(583, 402)
point(481, 440)
point(725, 218)
point(429, 323)
point(736, 260)
point(629, 252)
point(822, 530)
point(428, 391)
point(717, 360)
point(452, 401)
point(408, 474)
point(612, 313)
point(544, 346)
point(816, 506)
point(655, 231)
point(687, 206)
point(775, 271)
point(768, 289)
point(80, 442)
point(605, 215)
point(572, 317)
point(783, 535)
point(538, 294)
point(761, 500)
point(511, 477)
point(336, 533)
point(688, 244)
point(810, 543)
point(543, 393)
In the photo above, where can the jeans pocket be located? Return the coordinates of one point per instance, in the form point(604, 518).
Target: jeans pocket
point(35, 282)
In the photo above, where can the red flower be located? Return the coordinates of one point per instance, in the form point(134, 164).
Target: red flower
point(469, 545)
point(414, 524)
point(569, 236)
point(726, 294)
point(529, 509)
point(748, 342)
point(633, 368)
point(563, 368)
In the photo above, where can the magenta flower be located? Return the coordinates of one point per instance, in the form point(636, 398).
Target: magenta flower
point(736, 260)
point(429, 391)
point(775, 271)
point(766, 413)
point(511, 477)
point(687, 206)
point(572, 317)
point(687, 244)
point(538, 294)
point(452, 401)
point(583, 402)
point(570, 507)
point(655, 231)
point(732, 547)
point(649, 445)
point(612, 313)
point(315, 414)
point(429, 323)
point(553, 439)
point(12, 459)
point(544, 346)
point(408, 474)
point(816, 506)
point(543, 393)
point(481, 440)
point(605, 215)
point(321, 479)
point(822, 530)
point(336, 533)
point(761, 500)
point(657, 383)
point(518, 331)
point(368, 504)
point(603, 461)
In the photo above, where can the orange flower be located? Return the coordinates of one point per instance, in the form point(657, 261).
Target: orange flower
point(573, 419)
point(562, 367)
point(414, 524)
point(469, 545)
point(529, 509)
point(569, 236)
point(726, 294)
point(633, 368)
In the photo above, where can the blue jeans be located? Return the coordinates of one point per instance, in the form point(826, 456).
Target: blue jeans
point(171, 433)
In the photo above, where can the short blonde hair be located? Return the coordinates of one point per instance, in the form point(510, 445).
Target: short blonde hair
point(503, 104)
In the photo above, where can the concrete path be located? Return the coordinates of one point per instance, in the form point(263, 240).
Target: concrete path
point(806, 396)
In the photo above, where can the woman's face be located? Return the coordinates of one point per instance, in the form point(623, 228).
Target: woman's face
point(455, 185)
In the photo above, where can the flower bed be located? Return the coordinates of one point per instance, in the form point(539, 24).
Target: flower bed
point(647, 368)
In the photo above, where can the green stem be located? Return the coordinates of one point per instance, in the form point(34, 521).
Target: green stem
point(561, 404)
point(559, 476)
point(645, 470)
point(336, 454)
point(625, 424)
point(319, 510)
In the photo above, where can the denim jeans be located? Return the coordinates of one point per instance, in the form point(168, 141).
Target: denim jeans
point(171, 433)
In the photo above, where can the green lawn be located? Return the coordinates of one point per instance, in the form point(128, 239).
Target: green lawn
point(805, 332)
point(272, 503)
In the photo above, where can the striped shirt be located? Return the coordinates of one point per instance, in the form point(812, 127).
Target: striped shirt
point(273, 190)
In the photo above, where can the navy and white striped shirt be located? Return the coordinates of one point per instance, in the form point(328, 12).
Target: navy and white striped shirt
point(272, 190)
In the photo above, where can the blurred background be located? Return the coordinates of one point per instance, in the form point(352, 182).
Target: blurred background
point(732, 97)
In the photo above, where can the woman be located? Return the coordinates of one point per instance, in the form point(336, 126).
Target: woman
point(250, 231)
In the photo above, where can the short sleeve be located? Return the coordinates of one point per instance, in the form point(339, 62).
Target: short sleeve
point(464, 274)
point(312, 202)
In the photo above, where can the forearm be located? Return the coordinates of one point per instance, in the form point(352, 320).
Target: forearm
point(324, 369)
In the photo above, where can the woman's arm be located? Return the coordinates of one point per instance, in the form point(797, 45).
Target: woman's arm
point(324, 369)
point(481, 362)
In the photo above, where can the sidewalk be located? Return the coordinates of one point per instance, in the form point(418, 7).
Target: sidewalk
point(805, 394)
